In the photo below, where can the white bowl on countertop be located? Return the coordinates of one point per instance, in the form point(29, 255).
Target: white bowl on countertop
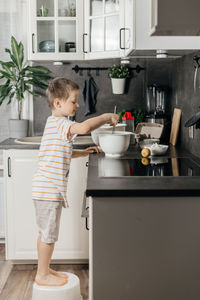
point(105, 128)
point(148, 142)
point(114, 144)
point(157, 149)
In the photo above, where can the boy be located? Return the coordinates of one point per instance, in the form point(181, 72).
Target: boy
point(50, 180)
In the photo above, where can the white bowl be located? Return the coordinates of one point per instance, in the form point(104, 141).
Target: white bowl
point(157, 149)
point(116, 144)
point(148, 142)
point(106, 127)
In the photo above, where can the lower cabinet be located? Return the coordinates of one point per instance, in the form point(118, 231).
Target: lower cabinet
point(21, 228)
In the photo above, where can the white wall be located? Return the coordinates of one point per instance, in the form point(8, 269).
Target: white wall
point(13, 21)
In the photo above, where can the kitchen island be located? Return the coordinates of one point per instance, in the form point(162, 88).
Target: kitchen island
point(144, 230)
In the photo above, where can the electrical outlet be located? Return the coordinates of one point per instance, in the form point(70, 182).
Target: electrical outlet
point(191, 132)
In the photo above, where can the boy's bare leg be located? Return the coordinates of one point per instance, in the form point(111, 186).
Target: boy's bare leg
point(44, 275)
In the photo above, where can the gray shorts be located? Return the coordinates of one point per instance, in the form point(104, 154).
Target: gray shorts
point(48, 219)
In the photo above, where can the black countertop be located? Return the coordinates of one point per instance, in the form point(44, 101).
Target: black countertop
point(11, 144)
point(136, 186)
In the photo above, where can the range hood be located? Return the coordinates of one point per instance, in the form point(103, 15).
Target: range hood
point(175, 18)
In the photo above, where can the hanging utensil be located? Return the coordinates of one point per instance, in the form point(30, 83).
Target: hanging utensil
point(194, 120)
point(196, 59)
point(115, 111)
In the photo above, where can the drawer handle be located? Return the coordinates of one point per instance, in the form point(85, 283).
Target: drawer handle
point(87, 164)
point(86, 220)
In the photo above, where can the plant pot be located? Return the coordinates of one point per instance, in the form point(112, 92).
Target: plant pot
point(118, 85)
point(18, 128)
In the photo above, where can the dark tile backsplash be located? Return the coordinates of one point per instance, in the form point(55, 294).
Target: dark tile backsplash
point(156, 71)
point(177, 74)
point(184, 97)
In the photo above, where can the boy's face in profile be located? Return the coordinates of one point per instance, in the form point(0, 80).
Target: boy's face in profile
point(69, 106)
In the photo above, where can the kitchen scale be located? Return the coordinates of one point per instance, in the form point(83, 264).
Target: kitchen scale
point(155, 166)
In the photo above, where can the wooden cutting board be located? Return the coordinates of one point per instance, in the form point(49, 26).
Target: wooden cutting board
point(175, 126)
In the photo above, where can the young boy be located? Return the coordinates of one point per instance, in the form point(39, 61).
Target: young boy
point(50, 180)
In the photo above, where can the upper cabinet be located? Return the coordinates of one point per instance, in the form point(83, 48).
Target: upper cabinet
point(109, 28)
point(145, 19)
point(175, 17)
point(77, 29)
point(55, 29)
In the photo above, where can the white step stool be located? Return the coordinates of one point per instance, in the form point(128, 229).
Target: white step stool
point(69, 291)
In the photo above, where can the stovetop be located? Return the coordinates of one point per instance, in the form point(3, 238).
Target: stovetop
point(154, 166)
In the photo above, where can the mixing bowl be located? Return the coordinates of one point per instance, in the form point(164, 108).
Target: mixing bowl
point(105, 128)
point(116, 144)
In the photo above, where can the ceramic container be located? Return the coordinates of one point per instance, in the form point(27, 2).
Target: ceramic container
point(116, 144)
point(105, 128)
point(148, 142)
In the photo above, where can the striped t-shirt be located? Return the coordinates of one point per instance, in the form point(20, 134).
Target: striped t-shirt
point(50, 180)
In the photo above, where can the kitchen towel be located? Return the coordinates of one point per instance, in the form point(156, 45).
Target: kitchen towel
point(90, 95)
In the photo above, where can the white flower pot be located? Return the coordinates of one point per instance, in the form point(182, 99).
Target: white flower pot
point(118, 85)
point(18, 128)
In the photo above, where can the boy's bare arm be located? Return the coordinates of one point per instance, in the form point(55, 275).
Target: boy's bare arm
point(93, 123)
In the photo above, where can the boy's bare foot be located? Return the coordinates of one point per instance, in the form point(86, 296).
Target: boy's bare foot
point(60, 274)
point(50, 280)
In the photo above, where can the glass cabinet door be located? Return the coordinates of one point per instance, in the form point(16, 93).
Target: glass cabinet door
point(104, 25)
point(107, 32)
point(56, 29)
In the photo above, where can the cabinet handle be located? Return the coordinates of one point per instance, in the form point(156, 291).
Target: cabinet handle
point(87, 164)
point(33, 46)
point(84, 43)
point(86, 221)
point(120, 38)
point(9, 165)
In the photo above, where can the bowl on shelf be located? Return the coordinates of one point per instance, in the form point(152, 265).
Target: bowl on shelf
point(105, 128)
point(47, 46)
point(114, 144)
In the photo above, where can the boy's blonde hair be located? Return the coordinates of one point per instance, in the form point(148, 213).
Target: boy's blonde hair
point(59, 87)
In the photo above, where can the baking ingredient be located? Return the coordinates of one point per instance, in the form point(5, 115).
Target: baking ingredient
point(145, 152)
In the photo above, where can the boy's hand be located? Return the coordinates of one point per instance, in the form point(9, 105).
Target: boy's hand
point(114, 118)
point(92, 150)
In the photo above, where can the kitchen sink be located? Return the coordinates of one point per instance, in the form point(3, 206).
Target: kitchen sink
point(36, 140)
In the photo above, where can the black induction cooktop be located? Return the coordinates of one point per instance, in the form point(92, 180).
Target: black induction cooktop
point(154, 166)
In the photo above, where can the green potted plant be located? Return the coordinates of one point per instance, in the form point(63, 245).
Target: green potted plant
point(18, 79)
point(118, 75)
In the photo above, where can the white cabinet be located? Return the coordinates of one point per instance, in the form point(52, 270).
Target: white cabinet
point(175, 17)
point(2, 219)
point(21, 228)
point(143, 30)
point(55, 29)
point(109, 28)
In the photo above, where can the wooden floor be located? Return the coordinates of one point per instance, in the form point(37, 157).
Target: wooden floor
point(16, 281)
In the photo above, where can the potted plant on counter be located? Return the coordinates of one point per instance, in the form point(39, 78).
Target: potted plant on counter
point(18, 79)
point(118, 75)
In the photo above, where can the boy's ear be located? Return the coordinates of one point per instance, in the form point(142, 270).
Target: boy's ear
point(57, 103)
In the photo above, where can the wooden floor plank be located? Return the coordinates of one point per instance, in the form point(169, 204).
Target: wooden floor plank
point(15, 286)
